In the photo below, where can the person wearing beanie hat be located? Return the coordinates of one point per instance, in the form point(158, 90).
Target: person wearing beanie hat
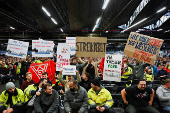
point(11, 98)
point(10, 85)
point(100, 99)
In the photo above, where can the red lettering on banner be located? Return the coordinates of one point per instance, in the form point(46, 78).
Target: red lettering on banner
point(155, 42)
point(145, 56)
point(61, 64)
point(136, 54)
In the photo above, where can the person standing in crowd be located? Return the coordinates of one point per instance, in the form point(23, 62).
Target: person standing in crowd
point(21, 70)
point(100, 99)
point(149, 76)
point(141, 98)
point(45, 75)
point(166, 67)
point(91, 68)
point(85, 81)
point(161, 73)
point(10, 72)
point(30, 93)
point(138, 69)
point(11, 98)
point(2, 72)
point(66, 82)
point(48, 101)
point(28, 82)
point(75, 99)
point(153, 68)
point(79, 66)
point(163, 93)
point(126, 72)
point(28, 63)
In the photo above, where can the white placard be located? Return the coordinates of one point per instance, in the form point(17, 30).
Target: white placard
point(112, 67)
point(71, 41)
point(42, 48)
point(63, 57)
point(17, 48)
point(69, 70)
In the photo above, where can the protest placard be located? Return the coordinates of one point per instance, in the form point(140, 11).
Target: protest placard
point(69, 70)
point(142, 47)
point(42, 48)
point(63, 57)
point(17, 48)
point(112, 67)
point(91, 46)
point(71, 41)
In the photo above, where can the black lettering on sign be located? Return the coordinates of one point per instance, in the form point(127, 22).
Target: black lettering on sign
point(90, 46)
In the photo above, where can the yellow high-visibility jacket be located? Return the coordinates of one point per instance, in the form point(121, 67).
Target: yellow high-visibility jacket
point(17, 98)
point(27, 92)
point(126, 74)
point(103, 98)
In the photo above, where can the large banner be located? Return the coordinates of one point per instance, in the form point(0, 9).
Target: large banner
point(142, 47)
point(71, 41)
point(17, 48)
point(69, 70)
point(42, 48)
point(112, 67)
point(91, 46)
point(63, 57)
point(38, 68)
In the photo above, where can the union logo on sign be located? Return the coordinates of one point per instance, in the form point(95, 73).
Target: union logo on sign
point(39, 69)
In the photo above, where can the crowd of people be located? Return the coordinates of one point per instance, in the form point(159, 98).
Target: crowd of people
point(82, 92)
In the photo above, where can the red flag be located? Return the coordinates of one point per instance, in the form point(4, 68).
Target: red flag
point(38, 68)
point(101, 67)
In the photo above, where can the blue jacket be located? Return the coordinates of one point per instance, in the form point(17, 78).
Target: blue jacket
point(154, 70)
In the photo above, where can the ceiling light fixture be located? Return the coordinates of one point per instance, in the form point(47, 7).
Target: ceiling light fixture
point(159, 29)
point(12, 27)
point(61, 30)
point(94, 28)
point(98, 20)
point(161, 9)
point(46, 11)
point(105, 4)
point(135, 24)
point(53, 20)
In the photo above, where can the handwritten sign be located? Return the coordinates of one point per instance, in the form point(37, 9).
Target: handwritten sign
point(69, 70)
point(112, 67)
point(71, 41)
point(17, 48)
point(142, 47)
point(42, 48)
point(91, 46)
point(63, 57)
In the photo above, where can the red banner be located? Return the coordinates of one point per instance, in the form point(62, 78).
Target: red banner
point(38, 68)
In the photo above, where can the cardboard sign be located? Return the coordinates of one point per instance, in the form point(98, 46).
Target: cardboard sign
point(17, 48)
point(42, 48)
point(112, 67)
point(91, 46)
point(63, 57)
point(71, 41)
point(142, 47)
point(69, 70)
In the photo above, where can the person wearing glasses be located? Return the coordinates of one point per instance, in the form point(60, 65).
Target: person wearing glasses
point(140, 98)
